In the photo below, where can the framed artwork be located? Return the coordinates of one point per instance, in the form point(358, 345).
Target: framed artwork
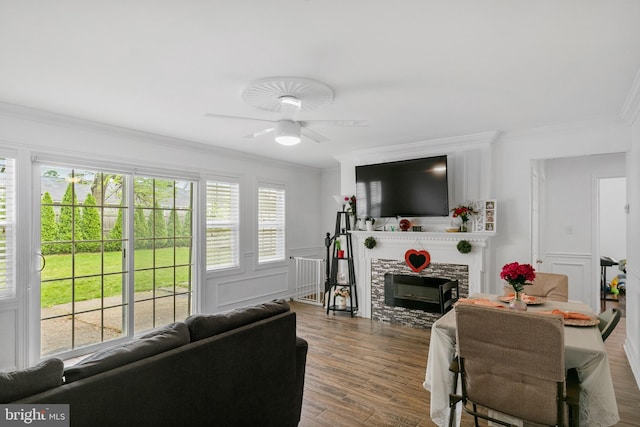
point(486, 219)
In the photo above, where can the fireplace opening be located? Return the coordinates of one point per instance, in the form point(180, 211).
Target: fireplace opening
point(430, 294)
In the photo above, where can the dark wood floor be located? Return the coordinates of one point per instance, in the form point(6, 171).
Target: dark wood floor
point(369, 373)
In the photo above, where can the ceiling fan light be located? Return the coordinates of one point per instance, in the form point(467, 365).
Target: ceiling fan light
point(288, 132)
point(287, 139)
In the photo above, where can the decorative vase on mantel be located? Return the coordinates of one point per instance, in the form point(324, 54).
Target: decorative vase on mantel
point(353, 223)
point(464, 227)
point(517, 303)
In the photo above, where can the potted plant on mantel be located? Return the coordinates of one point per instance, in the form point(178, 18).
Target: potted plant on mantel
point(369, 221)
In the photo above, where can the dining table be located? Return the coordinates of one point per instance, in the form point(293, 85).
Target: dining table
point(584, 351)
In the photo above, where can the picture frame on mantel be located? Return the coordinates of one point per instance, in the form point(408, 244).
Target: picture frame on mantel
point(486, 219)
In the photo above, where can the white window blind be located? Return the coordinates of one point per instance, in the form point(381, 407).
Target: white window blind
point(270, 224)
point(223, 225)
point(7, 227)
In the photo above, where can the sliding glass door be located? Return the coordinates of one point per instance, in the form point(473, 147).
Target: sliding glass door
point(108, 239)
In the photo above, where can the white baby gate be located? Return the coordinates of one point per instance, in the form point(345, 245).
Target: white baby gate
point(310, 280)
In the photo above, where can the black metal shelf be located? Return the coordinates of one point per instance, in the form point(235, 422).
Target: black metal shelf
point(331, 283)
point(338, 308)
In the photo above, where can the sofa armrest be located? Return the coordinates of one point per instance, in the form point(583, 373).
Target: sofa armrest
point(301, 362)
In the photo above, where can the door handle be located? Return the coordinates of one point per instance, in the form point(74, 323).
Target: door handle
point(44, 262)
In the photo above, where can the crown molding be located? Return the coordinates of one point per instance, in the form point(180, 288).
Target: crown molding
point(568, 128)
point(631, 108)
point(71, 122)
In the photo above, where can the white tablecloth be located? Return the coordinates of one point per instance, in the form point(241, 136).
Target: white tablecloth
point(585, 351)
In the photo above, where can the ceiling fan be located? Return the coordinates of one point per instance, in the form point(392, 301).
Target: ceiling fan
point(288, 96)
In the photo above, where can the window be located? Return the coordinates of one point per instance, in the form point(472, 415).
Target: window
point(7, 218)
point(223, 225)
point(270, 224)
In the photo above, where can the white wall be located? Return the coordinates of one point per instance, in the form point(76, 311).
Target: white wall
point(32, 134)
point(632, 343)
point(330, 186)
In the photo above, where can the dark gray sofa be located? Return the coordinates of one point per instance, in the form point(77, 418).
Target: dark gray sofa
point(244, 367)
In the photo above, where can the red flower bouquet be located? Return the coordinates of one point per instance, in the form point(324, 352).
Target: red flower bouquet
point(464, 212)
point(518, 275)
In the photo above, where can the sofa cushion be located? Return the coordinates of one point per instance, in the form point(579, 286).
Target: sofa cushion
point(26, 382)
point(155, 342)
point(206, 325)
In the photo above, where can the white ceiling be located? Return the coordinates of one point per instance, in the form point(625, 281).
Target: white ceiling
point(415, 69)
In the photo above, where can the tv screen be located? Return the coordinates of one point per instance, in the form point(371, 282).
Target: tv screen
point(407, 188)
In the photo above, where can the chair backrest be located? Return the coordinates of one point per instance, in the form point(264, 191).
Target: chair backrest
point(512, 362)
point(447, 295)
point(552, 286)
point(608, 321)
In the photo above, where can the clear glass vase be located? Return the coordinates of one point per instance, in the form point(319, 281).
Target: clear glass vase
point(517, 303)
point(464, 227)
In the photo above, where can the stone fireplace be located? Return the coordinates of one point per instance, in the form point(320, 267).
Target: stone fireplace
point(411, 316)
point(432, 294)
point(388, 256)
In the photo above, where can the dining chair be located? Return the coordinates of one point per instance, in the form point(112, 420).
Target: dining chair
point(552, 286)
point(513, 363)
point(608, 321)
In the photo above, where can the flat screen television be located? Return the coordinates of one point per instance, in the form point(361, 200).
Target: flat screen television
point(407, 188)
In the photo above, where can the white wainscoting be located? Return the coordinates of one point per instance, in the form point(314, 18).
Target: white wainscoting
point(631, 347)
point(584, 276)
point(231, 293)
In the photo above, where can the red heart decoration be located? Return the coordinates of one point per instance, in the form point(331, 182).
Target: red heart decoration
point(417, 260)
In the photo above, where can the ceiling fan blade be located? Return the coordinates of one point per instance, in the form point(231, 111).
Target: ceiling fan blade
point(341, 123)
point(222, 116)
point(260, 133)
point(314, 136)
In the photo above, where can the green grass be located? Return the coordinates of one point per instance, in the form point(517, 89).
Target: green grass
point(57, 284)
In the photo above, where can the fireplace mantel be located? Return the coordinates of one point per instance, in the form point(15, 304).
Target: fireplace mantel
point(441, 247)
